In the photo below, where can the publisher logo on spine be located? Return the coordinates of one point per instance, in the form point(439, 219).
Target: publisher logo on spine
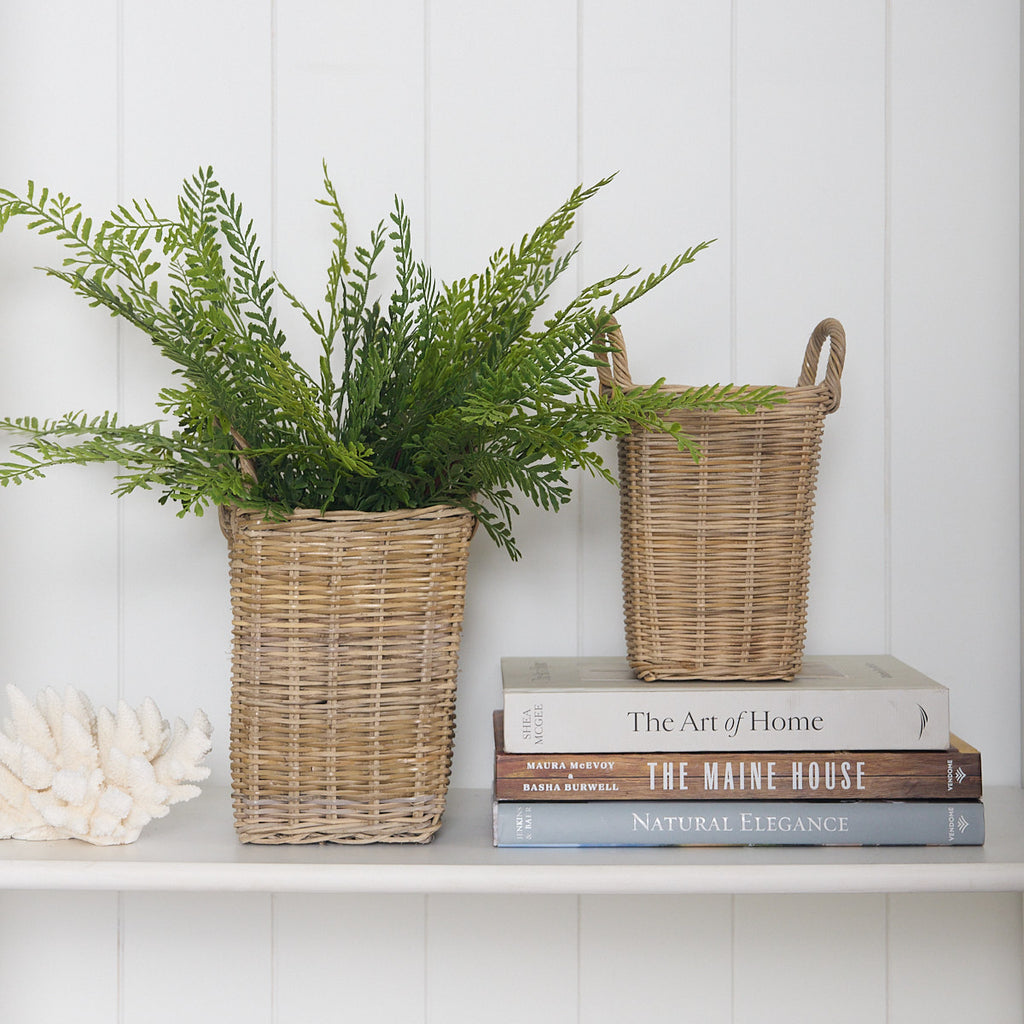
point(954, 776)
point(956, 824)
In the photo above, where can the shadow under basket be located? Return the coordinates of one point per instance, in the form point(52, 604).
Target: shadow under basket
point(715, 553)
point(346, 632)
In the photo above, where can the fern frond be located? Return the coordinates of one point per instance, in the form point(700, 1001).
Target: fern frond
point(443, 392)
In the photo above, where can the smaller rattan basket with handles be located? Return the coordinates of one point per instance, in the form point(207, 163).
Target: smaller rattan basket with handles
point(716, 553)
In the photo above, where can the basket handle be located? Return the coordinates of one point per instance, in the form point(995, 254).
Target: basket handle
point(832, 330)
point(616, 372)
point(245, 464)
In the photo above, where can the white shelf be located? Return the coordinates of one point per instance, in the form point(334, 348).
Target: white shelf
point(195, 849)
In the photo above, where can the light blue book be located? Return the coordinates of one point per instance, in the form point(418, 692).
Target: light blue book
point(739, 823)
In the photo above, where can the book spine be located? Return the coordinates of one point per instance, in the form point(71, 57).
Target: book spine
point(872, 775)
point(749, 823)
point(724, 721)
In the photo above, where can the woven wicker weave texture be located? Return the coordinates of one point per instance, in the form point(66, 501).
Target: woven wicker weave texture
point(346, 633)
point(715, 554)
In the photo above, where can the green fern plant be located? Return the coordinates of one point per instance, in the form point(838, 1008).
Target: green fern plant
point(440, 394)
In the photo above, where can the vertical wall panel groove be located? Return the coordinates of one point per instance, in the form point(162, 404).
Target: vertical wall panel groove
point(350, 957)
point(579, 483)
point(810, 211)
point(427, 71)
point(774, 935)
point(504, 958)
point(886, 569)
point(200, 956)
point(503, 156)
point(656, 112)
point(954, 345)
point(955, 956)
point(733, 198)
point(120, 572)
point(630, 946)
point(58, 957)
point(1020, 350)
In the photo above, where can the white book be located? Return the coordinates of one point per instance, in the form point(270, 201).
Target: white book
point(845, 702)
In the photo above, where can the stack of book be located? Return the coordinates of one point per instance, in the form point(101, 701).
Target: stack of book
point(855, 751)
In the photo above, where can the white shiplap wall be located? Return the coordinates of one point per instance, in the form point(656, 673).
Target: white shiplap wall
point(856, 160)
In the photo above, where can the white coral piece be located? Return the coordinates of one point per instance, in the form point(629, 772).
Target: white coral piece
point(67, 772)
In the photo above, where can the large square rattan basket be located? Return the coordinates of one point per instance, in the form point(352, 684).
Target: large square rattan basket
point(346, 633)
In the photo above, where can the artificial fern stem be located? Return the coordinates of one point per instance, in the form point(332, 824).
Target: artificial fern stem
point(439, 394)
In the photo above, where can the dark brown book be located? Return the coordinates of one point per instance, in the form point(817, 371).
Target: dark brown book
point(806, 775)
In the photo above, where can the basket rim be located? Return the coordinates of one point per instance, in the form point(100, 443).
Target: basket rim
point(820, 389)
point(231, 516)
point(438, 511)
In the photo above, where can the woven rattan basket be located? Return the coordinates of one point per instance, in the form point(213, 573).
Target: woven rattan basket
point(715, 554)
point(346, 632)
